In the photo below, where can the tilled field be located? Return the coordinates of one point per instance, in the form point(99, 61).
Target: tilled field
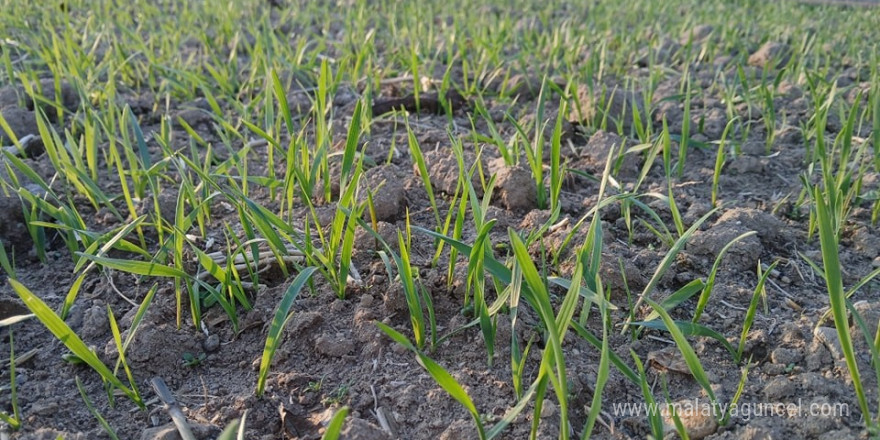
point(173, 167)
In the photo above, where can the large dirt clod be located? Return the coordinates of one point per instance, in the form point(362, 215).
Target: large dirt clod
point(515, 189)
point(389, 195)
point(360, 429)
point(22, 123)
point(742, 256)
point(444, 171)
point(65, 95)
point(770, 55)
point(600, 146)
point(696, 34)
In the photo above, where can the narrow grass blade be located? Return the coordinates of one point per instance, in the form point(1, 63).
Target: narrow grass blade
point(753, 307)
point(449, 384)
point(870, 341)
point(736, 396)
point(351, 144)
point(143, 151)
point(281, 98)
point(654, 419)
point(407, 280)
point(136, 321)
point(680, 296)
point(282, 315)
point(674, 411)
point(834, 283)
point(710, 282)
point(538, 297)
point(235, 429)
point(667, 262)
point(419, 159)
point(136, 267)
point(334, 428)
point(616, 360)
point(14, 421)
point(585, 292)
point(117, 339)
point(70, 339)
point(5, 264)
point(690, 357)
point(91, 407)
point(690, 329)
point(601, 379)
point(875, 137)
point(512, 413)
point(440, 375)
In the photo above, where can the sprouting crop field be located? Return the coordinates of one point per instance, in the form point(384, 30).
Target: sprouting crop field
point(296, 219)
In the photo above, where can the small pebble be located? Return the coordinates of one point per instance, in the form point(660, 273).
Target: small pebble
point(786, 356)
point(828, 337)
point(334, 346)
point(779, 388)
point(548, 409)
point(212, 343)
point(695, 415)
point(337, 306)
point(876, 262)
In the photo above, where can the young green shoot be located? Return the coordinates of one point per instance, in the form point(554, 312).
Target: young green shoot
point(834, 283)
point(70, 340)
point(279, 321)
point(753, 306)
